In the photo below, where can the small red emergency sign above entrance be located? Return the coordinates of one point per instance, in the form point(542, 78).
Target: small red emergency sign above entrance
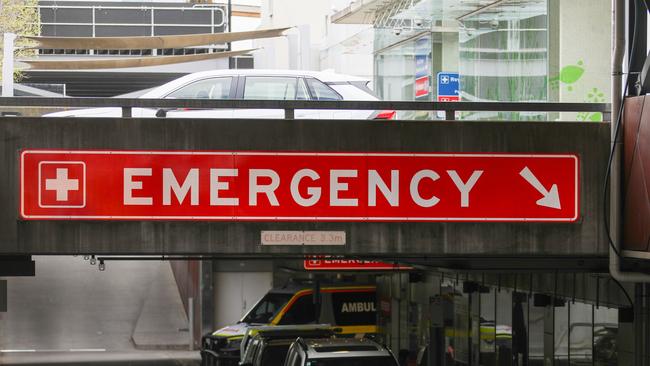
point(297, 186)
point(331, 264)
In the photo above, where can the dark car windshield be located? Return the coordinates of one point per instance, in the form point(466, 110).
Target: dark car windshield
point(274, 354)
point(353, 361)
point(267, 308)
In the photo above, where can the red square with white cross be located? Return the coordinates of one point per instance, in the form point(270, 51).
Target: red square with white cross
point(62, 184)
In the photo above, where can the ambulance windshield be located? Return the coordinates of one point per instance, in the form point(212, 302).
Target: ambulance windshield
point(266, 309)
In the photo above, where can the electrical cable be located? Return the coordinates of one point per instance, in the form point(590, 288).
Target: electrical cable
point(629, 299)
point(611, 153)
point(616, 133)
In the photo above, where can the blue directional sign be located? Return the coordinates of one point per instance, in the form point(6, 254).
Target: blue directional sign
point(422, 69)
point(448, 86)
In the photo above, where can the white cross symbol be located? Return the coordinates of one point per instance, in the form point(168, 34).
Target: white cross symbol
point(62, 184)
point(444, 79)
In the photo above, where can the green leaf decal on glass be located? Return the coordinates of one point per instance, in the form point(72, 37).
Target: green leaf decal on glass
point(596, 117)
point(570, 74)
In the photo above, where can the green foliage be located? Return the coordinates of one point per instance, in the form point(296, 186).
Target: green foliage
point(20, 17)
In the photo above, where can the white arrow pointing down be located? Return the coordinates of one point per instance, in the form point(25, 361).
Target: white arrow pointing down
point(551, 197)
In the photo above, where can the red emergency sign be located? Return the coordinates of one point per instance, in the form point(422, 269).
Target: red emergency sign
point(297, 186)
point(332, 264)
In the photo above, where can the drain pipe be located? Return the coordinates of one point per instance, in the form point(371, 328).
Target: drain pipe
point(618, 48)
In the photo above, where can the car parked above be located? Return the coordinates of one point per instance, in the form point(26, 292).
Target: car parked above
point(252, 84)
point(338, 352)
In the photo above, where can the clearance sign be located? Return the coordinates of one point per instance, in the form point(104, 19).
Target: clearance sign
point(297, 186)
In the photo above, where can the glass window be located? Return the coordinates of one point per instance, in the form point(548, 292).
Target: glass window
point(215, 88)
point(580, 341)
point(536, 334)
point(300, 312)
point(354, 308)
point(449, 294)
point(274, 354)
point(505, 58)
point(292, 355)
point(405, 71)
point(605, 332)
point(561, 331)
point(320, 91)
point(520, 313)
point(267, 308)
point(297, 360)
point(270, 88)
point(461, 349)
point(487, 329)
point(503, 328)
point(353, 361)
point(302, 93)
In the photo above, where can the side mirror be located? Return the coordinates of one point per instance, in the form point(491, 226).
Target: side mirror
point(161, 113)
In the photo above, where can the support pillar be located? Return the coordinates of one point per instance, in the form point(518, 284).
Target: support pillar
point(3, 296)
point(207, 297)
point(8, 65)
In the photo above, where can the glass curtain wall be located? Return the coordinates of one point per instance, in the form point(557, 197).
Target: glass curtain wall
point(500, 53)
point(605, 330)
point(497, 325)
point(503, 57)
point(395, 72)
point(404, 73)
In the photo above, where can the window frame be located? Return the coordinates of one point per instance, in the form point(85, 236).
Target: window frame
point(241, 90)
point(313, 94)
point(292, 305)
point(231, 92)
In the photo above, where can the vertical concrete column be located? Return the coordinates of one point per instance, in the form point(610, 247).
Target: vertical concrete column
point(8, 65)
point(3, 296)
point(450, 48)
point(553, 29)
point(436, 323)
point(207, 297)
point(549, 334)
point(305, 46)
point(583, 46)
point(190, 318)
point(294, 50)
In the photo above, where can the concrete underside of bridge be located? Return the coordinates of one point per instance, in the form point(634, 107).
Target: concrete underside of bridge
point(590, 141)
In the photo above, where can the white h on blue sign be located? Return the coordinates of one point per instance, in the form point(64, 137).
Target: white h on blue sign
point(448, 84)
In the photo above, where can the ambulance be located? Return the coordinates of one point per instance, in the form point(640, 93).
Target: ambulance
point(352, 309)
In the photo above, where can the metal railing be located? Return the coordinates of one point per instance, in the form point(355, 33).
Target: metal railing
point(86, 17)
point(290, 106)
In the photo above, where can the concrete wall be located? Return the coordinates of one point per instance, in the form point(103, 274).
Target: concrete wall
point(588, 140)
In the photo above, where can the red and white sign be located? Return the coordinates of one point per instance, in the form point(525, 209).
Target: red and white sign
point(448, 98)
point(316, 264)
point(297, 186)
point(422, 86)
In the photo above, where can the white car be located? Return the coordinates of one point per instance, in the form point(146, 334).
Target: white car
point(252, 85)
